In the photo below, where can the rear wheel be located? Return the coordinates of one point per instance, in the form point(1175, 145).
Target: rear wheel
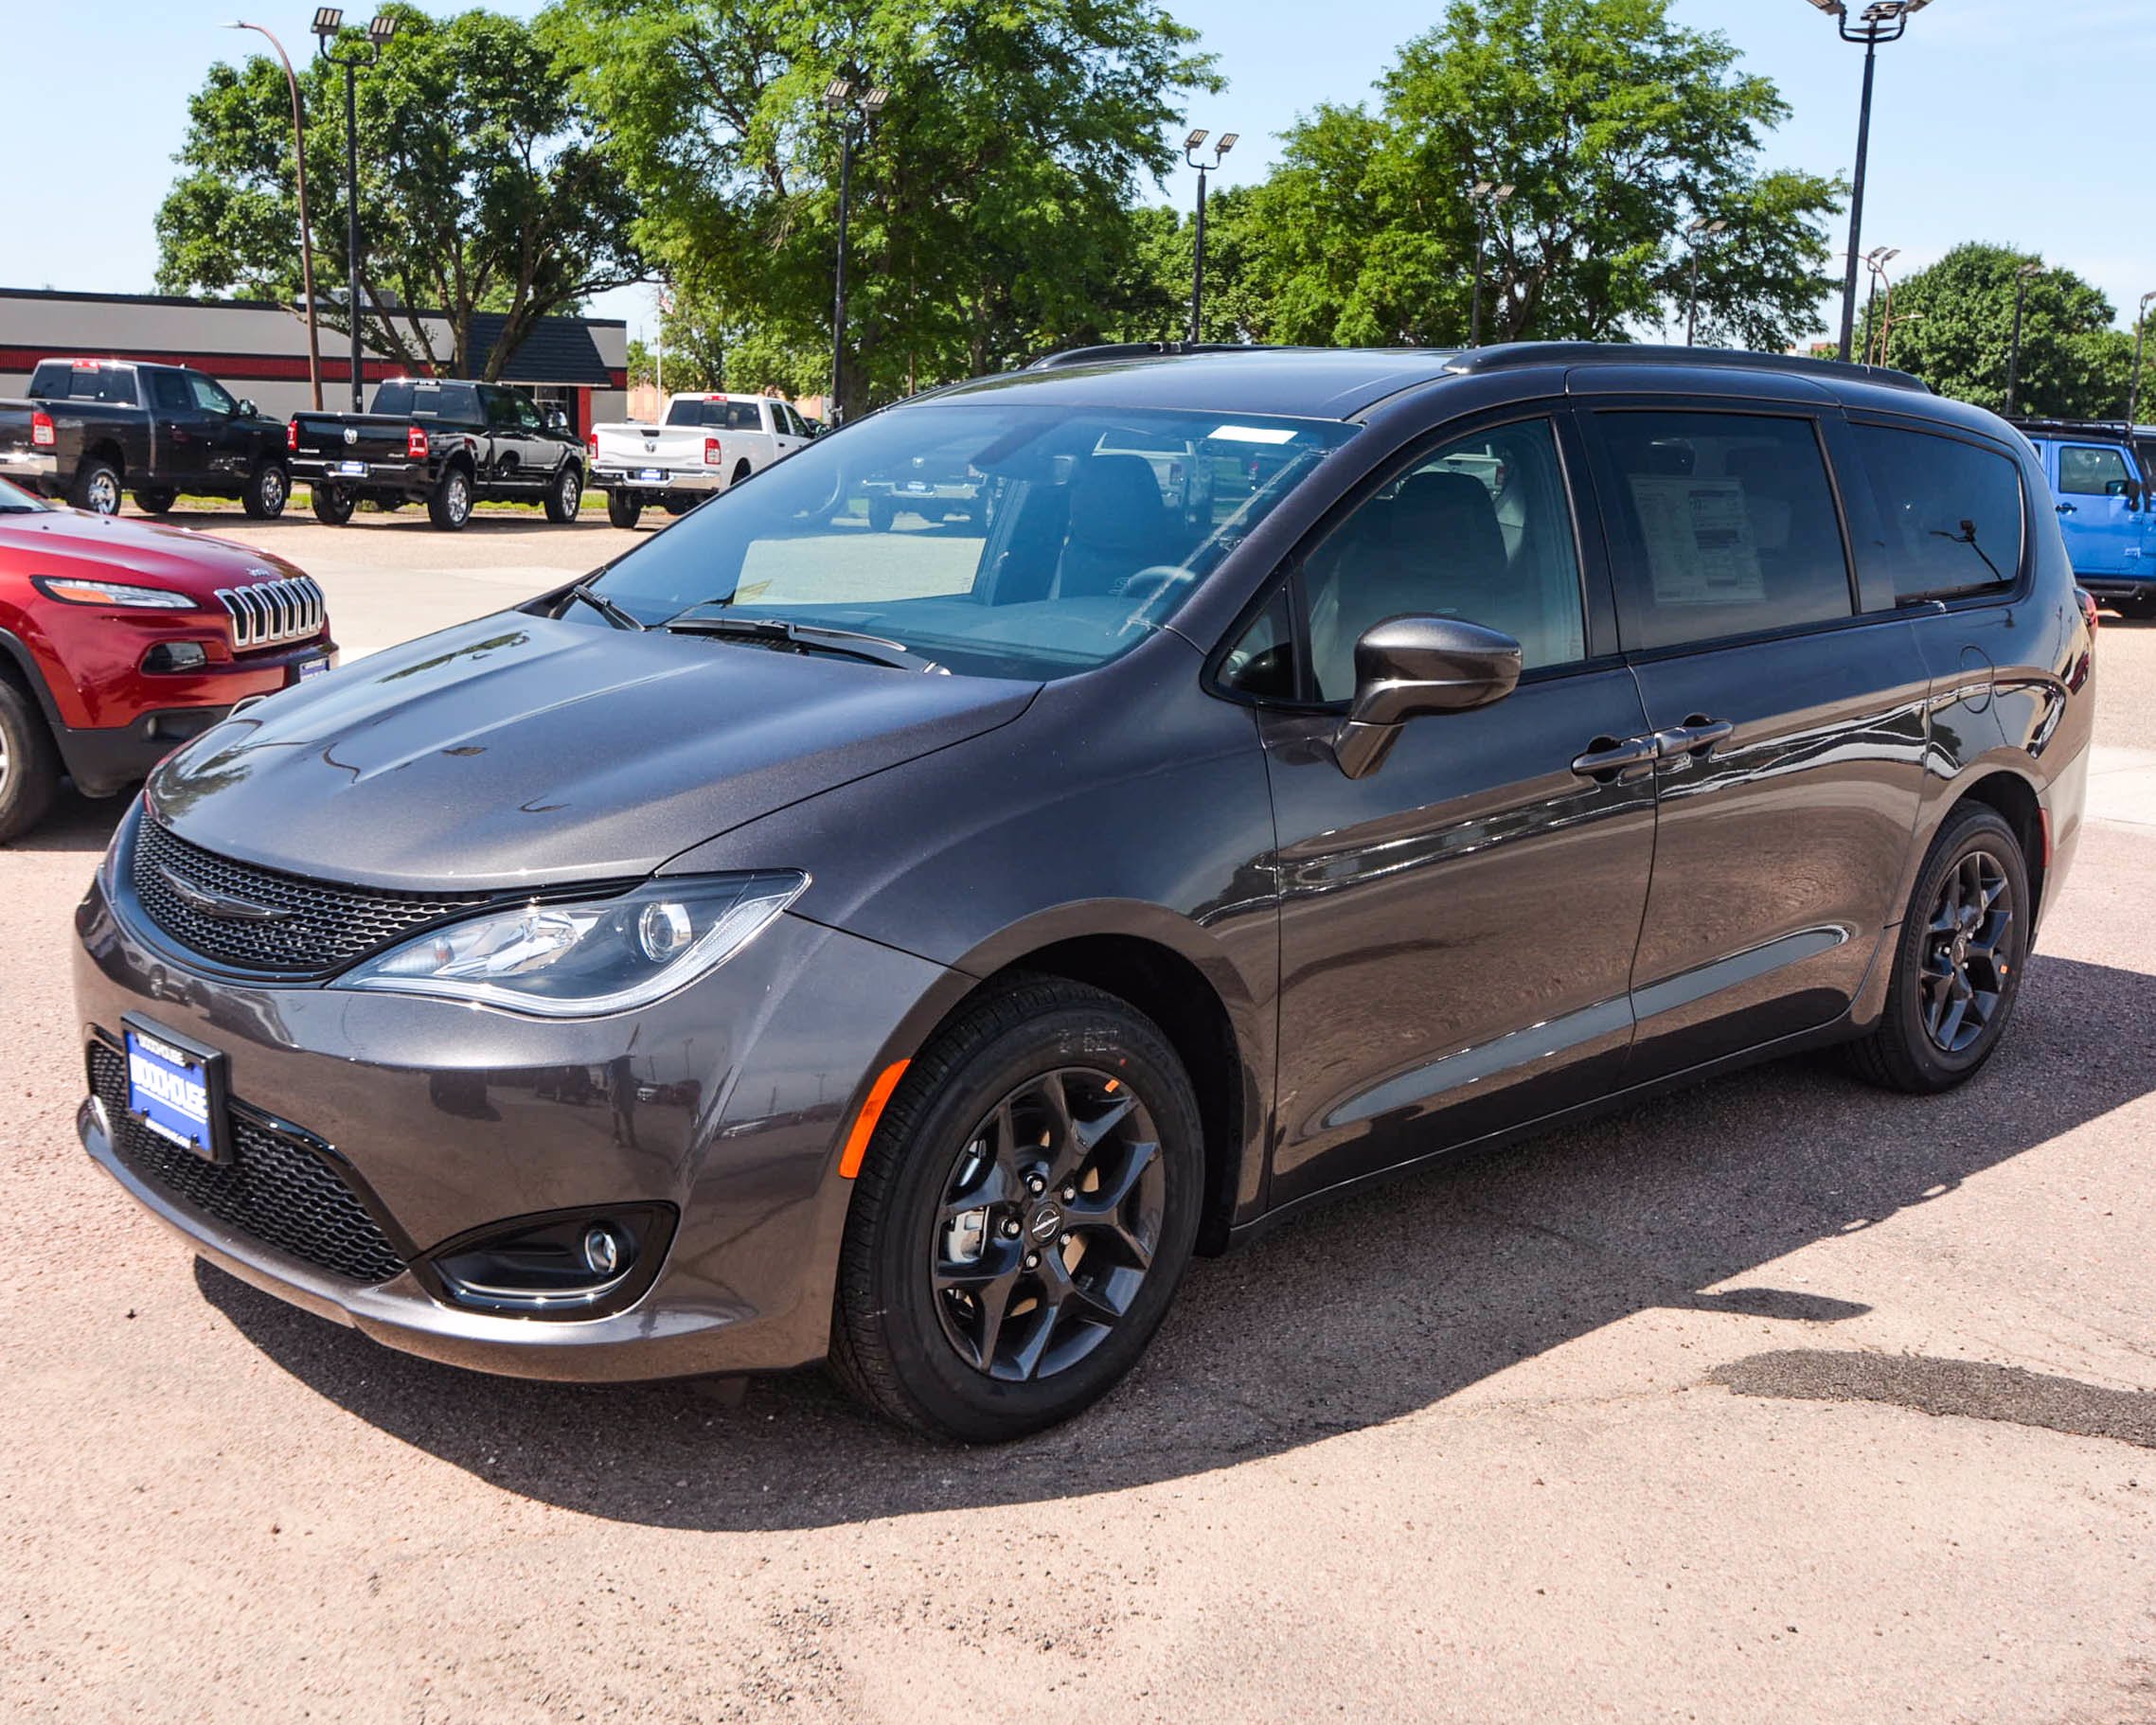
point(155, 499)
point(741, 471)
point(332, 503)
point(623, 508)
point(883, 514)
point(567, 495)
point(1958, 965)
point(1026, 1210)
point(29, 765)
point(450, 506)
point(97, 488)
point(268, 490)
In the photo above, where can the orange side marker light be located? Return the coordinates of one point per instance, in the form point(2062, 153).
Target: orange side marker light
point(864, 1122)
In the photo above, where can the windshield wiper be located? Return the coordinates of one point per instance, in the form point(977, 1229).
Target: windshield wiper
point(809, 637)
point(605, 607)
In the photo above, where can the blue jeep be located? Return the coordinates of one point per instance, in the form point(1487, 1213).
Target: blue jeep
point(2102, 479)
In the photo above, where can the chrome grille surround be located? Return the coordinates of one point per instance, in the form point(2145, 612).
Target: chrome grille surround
point(268, 613)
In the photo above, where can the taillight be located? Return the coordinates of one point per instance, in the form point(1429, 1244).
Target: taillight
point(292, 434)
point(41, 435)
point(2088, 608)
point(415, 443)
point(591, 442)
point(711, 452)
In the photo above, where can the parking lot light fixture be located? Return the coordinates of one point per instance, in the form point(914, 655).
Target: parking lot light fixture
point(845, 97)
point(329, 21)
point(380, 27)
point(306, 233)
point(1191, 145)
point(1486, 196)
point(1883, 22)
point(2022, 276)
point(1703, 229)
point(2140, 342)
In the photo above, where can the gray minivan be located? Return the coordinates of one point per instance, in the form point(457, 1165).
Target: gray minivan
point(909, 946)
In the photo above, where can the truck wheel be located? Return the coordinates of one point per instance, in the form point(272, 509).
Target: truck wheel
point(883, 514)
point(742, 471)
point(680, 505)
point(29, 765)
point(97, 488)
point(269, 489)
point(155, 499)
point(567, 495)
point(450, 506)
point(334, 504)
point(623, 508)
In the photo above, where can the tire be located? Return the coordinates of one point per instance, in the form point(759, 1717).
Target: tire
point(333, 505)
point(268, 490)
point(915, 1352)
point(97, 488)
point(678, 507)
point(1974, 869)
point(155, 499)
point(742, 471)
point(624, 508)
point(565, 496)
point(387, 506)
point(449, 505)
point(29, 764)
point(883, 514)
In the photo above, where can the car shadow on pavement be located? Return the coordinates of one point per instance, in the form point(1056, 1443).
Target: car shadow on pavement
point(1375, 1308)
point(77, 823)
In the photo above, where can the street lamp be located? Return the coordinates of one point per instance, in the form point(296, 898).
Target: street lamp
point(1486, 196)
point(2140, 341)
point(1702, 229)
point(329, 21)
point(306, 234)
point(1190, 147)
point(845, 97)
point(1883, 21)
point(2022, 276)
point(1876, 261)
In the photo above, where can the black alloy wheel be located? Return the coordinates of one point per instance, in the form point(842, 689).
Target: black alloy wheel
point(1958, 958)
point(1026, 1207)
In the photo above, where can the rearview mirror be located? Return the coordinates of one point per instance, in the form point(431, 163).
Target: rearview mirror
point(1407, 667)
point(247, 410)
point(557, 419)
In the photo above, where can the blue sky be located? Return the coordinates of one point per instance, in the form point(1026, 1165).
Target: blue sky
point(1990, 120)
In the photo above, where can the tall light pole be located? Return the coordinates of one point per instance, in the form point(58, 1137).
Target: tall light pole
point(1190, 147)
point(1486, 196)
point(1876, 261)
point(845, 97)
point(306, 233)
point(1700, 230)
point(328, 20)
point(1882, 22)
point(2140, 341)
point(2022, 276)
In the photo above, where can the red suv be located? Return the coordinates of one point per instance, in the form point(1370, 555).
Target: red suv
point(121, 639)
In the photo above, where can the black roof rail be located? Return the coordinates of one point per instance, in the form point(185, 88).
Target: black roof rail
point(1507, 356)
point(1141, 350)
point(2045, 422)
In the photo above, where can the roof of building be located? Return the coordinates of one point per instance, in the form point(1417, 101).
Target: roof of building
point(558, 350)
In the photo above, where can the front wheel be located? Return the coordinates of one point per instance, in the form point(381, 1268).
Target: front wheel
point(450, 506)
point(1957, 964)
point(624, 508)
point(268, 490)
point(567, 495)
point(97, 488)
point(1025, 1209)
point(29, 765)
point(334, 504)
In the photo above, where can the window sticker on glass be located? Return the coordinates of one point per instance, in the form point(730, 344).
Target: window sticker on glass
point(1251, 433)
point(1698, 540)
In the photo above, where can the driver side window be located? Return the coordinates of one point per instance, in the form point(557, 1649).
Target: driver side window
point(1480, 529)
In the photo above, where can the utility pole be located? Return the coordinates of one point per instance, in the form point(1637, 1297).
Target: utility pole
point(1486, 196)
point(2022, 276)
point(1190, 147)
point(846, 95)
point(328, 20)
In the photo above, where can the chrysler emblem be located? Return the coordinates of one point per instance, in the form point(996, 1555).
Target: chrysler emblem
point(221, 905)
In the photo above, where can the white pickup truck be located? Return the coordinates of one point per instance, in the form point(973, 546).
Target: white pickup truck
point(707, 443)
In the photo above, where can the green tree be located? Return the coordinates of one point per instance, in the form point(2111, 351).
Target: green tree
point(1618, 128)
point(1953, 327)
point(990, 198)
point(481, 189)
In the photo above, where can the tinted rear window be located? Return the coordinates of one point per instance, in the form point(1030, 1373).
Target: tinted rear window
point(716, 416)
point(1732, 525)
point(423, 399)
point(1950, 511)
point(59, 381)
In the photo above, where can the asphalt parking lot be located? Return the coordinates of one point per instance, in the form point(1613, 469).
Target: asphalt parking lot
point(1782, 1399)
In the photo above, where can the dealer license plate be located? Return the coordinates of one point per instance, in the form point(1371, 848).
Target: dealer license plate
point(311, 667)
point(174, 1089)
point(349, 469)
point(652, 473)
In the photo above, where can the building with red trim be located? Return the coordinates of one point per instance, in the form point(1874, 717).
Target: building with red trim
point(257, 348)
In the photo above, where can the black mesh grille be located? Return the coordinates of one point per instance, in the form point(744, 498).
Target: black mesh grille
point(274, 1188)
point(325, 926)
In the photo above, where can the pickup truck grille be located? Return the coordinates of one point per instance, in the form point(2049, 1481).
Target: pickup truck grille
point(272, 612)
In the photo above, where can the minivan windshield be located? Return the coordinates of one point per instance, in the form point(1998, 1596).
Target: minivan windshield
point(992, 538)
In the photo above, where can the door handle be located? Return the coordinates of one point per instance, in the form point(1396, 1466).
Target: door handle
point(1607, 758)
point(1696, 736)
point(2069, 509)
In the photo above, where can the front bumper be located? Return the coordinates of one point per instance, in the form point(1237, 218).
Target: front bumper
point(728, 1100)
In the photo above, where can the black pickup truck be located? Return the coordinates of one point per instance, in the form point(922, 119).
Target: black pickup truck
point(90, 430)
point(445, 443)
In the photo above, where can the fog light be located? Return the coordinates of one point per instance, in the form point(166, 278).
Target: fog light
point(168, 656)
point(603, 1250)
point(569, 1264)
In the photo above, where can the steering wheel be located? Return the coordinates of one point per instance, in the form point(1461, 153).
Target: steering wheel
point(1157, 581)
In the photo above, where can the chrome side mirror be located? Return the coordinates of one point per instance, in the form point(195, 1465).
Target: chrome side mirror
point(1407, 667)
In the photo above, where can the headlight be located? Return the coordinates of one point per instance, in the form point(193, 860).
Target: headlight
point(584, 958)
point(72, 591)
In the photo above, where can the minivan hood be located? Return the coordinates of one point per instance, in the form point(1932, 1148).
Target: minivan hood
point(522, 751)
